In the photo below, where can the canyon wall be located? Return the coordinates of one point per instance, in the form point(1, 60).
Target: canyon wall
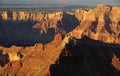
point(101, 23)
point(29, 15)
point(31, 41)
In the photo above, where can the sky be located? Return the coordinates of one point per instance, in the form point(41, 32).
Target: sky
point(67, 2)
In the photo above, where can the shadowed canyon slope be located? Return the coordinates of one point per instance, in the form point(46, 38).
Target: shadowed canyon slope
point(101, 23)
point(73, 43)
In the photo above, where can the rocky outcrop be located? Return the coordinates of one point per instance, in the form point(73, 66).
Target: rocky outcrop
point(100, 23)
point(33, 60)
point(31, 41)
point(78, 55)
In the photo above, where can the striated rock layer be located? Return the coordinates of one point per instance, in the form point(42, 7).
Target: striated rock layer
point(29, 15)
point(101, 23)
point(35, 43)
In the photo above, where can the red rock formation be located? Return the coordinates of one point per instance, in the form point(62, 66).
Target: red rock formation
point(97, 23)
point(116, 62)
point(101, 23)
point(36, 59)
point(29, 15)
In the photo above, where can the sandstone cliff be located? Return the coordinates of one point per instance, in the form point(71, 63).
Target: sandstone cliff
point(29, 15)
point(35, 43)
point(101, 23)
point(68, 56)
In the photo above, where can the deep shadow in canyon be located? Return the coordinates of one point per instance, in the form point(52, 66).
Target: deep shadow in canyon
point(68, 22)
point(22, 33)
point(4, 59)
point(86, 57)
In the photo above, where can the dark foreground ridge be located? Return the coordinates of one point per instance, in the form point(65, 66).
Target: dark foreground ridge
point(86, 57)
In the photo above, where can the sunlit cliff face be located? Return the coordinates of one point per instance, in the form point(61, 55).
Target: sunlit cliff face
point(100, 23)
point(30, 41)
point(29, 15)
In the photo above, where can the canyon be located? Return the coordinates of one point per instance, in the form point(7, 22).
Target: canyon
point(72, 43)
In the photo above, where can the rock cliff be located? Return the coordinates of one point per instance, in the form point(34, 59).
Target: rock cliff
point(38, 43)
point(29, 15)
point(101, 23)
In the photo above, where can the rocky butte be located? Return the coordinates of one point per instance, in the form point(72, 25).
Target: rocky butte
point(73, 43)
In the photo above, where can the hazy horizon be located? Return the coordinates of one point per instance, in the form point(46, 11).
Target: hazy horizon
point(60, 2)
